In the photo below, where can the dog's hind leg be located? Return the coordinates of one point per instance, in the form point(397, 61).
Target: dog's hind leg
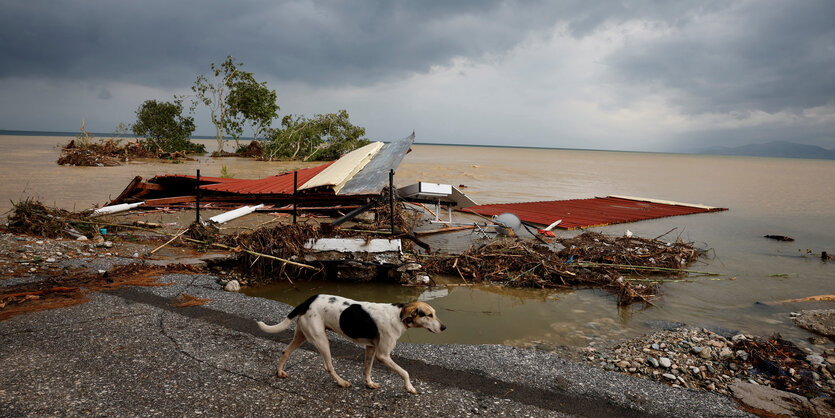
point(298, 339)
point(319, 338)
point(369, 361)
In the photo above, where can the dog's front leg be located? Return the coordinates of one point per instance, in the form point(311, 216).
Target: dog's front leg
point(385, 358)
point(369, 361)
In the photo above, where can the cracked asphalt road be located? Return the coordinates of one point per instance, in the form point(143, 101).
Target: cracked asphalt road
point(129, 353)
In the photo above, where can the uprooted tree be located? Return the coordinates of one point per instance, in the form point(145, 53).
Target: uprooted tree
point(321, 138)
point(164, 126)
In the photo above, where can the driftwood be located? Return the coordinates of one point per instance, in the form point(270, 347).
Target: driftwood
point(589, 259)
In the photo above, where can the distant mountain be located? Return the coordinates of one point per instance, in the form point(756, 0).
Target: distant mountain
point(780, 149)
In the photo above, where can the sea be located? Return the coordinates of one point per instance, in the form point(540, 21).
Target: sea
point(755, 275)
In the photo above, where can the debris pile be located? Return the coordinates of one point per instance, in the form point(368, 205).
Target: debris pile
point(32, 217)
point(104, 153)
point(281, 241)
point(699, 358)
point(253, 150)
point(590, 259)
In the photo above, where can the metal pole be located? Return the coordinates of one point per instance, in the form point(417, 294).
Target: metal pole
point(391, 199)
point(197, 199)
point(295, 191)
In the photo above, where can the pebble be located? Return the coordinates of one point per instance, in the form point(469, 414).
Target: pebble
point(697, 358)
point(232, 286)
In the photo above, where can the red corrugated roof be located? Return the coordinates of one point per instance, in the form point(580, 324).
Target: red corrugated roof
point(583, 213)
point(280, 184)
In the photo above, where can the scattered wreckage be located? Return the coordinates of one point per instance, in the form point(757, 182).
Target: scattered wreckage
point(369, 229)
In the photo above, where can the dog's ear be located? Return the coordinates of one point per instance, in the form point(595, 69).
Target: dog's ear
point(408, 314)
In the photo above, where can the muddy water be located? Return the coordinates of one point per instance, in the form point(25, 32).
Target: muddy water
point(765, 196)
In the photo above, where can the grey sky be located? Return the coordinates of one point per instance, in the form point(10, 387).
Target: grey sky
point(629, 75)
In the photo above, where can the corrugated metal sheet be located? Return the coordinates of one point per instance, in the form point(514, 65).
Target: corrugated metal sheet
point(583, 213)
point(344, 168)
point(280, 184)
point(375, 175)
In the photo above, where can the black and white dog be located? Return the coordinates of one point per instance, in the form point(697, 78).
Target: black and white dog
point(377, 326)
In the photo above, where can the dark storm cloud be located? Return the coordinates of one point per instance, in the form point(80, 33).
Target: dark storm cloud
point(660, 59)
point(764, 55)
point(333, 42)
point(323, 42)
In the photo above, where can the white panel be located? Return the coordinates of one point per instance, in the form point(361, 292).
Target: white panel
point(354, 245)
point(434, 188)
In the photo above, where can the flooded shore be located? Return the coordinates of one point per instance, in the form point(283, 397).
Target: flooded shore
point(765, 196)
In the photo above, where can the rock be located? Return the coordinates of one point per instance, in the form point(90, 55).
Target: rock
point(655, 346)
point(108, 244)
point(769, 400)
point(725, 353)
point(669, 376)
point(738, 337)
point(821, 321)
point(697, 349)
point(232, 286)
point(623, 364)
point(742, 355)
point(50, 260)
point(653, 361)
point(665, 362)
point(814, 359)
point(706, 353)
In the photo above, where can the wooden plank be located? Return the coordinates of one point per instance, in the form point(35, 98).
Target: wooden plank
point(127, 192)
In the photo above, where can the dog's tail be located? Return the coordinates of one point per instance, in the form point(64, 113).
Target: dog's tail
point(272, 329)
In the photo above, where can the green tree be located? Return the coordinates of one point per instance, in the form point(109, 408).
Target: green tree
point(214, 92)
point(250, 103)
point(323, 137)
point(164, 126)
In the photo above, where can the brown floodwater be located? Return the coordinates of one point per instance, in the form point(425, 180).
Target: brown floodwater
point(792, 197)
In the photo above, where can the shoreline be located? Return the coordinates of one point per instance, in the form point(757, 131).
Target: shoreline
point(538, 382)
point(129, 351)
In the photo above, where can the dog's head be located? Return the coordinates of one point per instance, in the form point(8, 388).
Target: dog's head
point(421, 315)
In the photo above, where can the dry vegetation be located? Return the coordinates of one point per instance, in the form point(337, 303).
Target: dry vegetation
point(590, 259)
